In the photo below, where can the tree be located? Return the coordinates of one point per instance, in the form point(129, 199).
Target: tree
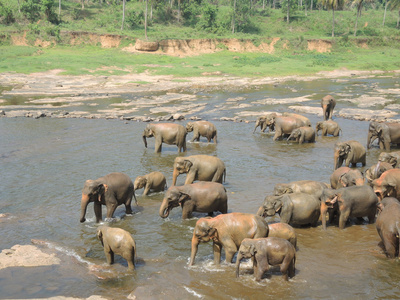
point(384, 14)
point(395, 4)
point(333, 5)
point(123, 14)
point(359, 5)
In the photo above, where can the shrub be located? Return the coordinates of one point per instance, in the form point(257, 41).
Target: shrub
point(6, 14)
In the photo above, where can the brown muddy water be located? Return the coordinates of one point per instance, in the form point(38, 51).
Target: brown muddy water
point(45, 162)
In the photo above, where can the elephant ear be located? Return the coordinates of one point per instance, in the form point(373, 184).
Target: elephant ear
point(343, 180)
point(187, 165)
point(212, 233)
point(183, 197)
point(252, 249)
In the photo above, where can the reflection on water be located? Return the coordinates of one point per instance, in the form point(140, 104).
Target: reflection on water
point(45, 162)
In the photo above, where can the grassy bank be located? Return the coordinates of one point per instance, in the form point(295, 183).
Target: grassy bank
point(98, 61)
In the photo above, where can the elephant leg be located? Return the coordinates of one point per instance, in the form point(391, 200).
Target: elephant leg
point(98, 212)
point(292, 269)
point(371, 216)
point(278, 134)
point(223, 208)
point(190, 177)
point(262, 267)
point(109, 254)
point(130, 259)
point(217, 248)
point(324, 131)
point(111, 209)
point(215, 139)
point(344, 216)
point(128, 208)
point(230, 250)
point(146, 189)
point(389, 244)
point(187, 210)
point(158, 145)
point(336, 132)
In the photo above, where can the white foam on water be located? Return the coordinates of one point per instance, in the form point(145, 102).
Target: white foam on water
point(190, 291)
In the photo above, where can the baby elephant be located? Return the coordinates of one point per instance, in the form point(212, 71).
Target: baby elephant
point(328, 127)
point(284, 231)
point(268, 251)
point(154, 181)
point(202, 128)
point(303, 134)
point(117, 241)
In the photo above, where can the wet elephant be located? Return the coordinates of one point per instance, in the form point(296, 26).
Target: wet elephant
point(311, 187)
point(203, 196)
point(284, 231)
point(284, 125)
point(345, 176)
point(303, 119)
point(199, 167)
point(168, 133)
point(328, 127)
point(376, 170)
point(266, 252)
point(303, 134)
point(228, 231)
point(154, 181)
point(350, 152)
point(388, 184)
point(387, 133)
point(262, 123)
point(328, 103)
point(202, 128)
point(392, 158)
point(294, 209)
point(111, 190)
point(388, 226)
point(352, 201)
point(117, 241)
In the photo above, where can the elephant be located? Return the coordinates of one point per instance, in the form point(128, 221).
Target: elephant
point(328, 127)
point(199, 167)
point(111, 190)
point(352, 201)
point(154, 181)
point(311, 187)
point(203, 196)
point(349, 152)
point(392, 158)
point(375, 171)
point(294, 209)
point(345, 176)
point(262, 122)
point(228, 231)
point(266, 252)
point(117, 241)
point(328, 103)
point(388, 226)
point(387, 133)
point(202, 128)
point(303, 134)
point(168, 133)
point(283, 124)
point(284, 231)
point(304, 120)
point(388, 184)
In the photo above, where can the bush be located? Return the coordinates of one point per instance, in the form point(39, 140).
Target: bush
point(134, 19)
point(30, 9)
point(6, 14)
point(208, 18)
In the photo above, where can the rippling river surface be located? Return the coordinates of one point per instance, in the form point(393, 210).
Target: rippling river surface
point(45, 162)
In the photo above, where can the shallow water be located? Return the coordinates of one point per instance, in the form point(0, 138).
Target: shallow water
point(45, 162)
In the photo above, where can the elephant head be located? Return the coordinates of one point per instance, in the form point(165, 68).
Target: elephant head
point(352, 177)
point(261, 121)
point(203, 232)
point(296, 133)
point(271, 205)
point(173, 198)
point(189, 127)
point(282, 188)
point(329, 199)
point(341, 151)
point(247, 249)
point(181, 165)
point(389, 158)
point(318, 127)
point(381, 132)
point(93, 191)
point(140, 182)
point(147, 133)
point(384, 188)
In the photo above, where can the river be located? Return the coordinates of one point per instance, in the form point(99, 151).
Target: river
point(45, 162)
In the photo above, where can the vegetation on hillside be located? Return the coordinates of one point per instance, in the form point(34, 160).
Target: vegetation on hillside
point(205, 18)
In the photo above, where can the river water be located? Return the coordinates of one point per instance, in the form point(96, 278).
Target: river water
point(45, 162)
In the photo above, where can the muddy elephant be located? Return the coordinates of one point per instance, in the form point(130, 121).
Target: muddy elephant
point(199, 167)
point(303, 134)
point(328, 103)
point(203, 196)
point(228, 231)
point(283, 125)
point(352, 201)
point(328, 127)
point(266, 252)
point(345, 176)
point(168, 133)
point(111, 190)
point(117, 241)
point(295, 209)
point(392, 158)
point(387, 133)
point(350, 152)
point(311, 187)
point(202, 128)
point(388, 184)
point(284, 231)
point(154, 181)
point(376, 170)
point(388, 226)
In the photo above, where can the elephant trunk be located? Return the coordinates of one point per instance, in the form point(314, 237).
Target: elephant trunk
point(324, 109)
point(336, 158)
point(369, 137)
point(174, 176)
point(84, 203)
point(195, 245)
point(134, 196)
point(290, 136)
point(164, 209)
point(238, 259)
point(257, 124)
point(260, 211)
point(144, 141)
point(324, 209)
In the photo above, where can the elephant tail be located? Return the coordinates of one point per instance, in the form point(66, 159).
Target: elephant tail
point(224, 175)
